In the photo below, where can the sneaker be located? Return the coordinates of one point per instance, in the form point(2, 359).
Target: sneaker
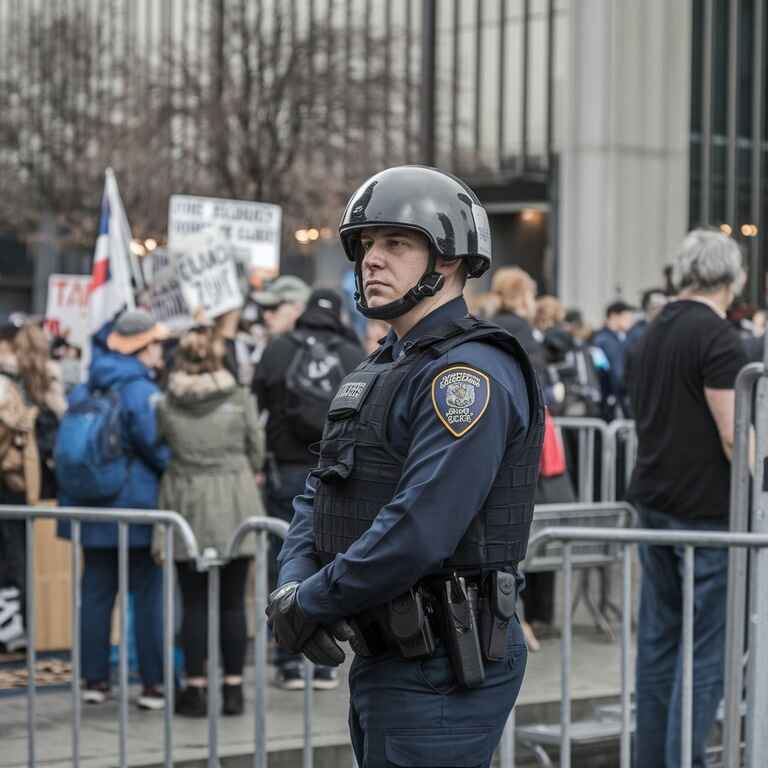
point(290, 677)
point(192, 702)
point(151, 698)
point(232, 699)
point(96, 693)
point(326, 679)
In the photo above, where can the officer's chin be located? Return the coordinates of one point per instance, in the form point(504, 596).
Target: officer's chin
point(376, 298)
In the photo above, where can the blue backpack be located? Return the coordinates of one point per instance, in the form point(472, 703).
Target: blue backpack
point(91, 460)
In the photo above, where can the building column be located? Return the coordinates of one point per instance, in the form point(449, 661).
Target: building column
point(624, 148)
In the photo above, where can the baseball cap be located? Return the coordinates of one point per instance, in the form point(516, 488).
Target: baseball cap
point(282, 290)
point(134, 330)
point(326, 299)
point(617, 307)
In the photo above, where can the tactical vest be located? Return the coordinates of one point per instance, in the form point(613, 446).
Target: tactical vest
point(359, 469)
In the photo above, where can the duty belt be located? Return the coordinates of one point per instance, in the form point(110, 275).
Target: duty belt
point(470, 615)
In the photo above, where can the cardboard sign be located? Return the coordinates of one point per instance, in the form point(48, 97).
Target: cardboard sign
point(66, 312)
point(250, 231)
point(207, 274)
point(165, 295)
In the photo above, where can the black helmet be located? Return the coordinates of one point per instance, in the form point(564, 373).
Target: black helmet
point(440, 206)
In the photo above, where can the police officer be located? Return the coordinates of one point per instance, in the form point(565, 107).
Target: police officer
point(406, 540)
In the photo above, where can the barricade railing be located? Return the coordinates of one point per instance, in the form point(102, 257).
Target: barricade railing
point(170, 521)
point(587, 429)
point(619, 432)
point(690, 541)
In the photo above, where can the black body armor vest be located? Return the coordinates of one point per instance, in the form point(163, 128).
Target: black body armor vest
point(359, 470)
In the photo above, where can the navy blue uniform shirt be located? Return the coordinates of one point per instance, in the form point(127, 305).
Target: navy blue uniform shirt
point(444, 483)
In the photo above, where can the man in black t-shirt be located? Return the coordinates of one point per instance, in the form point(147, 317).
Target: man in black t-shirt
point(680, 376)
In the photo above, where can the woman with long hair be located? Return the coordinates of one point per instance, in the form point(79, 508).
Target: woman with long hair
point(212, 427)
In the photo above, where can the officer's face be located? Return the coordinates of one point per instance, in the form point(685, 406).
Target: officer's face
point(393, 261)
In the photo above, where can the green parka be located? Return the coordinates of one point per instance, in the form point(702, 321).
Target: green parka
point(216, 438)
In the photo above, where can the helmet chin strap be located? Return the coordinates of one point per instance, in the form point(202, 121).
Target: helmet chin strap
point(429, 284)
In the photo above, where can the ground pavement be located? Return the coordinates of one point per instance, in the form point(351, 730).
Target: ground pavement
point(596, 676)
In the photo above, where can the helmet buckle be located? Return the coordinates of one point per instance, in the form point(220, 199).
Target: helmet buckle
point(430, 284)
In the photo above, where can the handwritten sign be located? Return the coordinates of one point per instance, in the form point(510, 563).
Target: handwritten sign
point(66, 312)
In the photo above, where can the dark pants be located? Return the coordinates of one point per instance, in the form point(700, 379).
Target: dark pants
point(412, 713)
point(13, 558)
point(659, 665)
point(99, 588)
point(281, 491)
point(232, 626)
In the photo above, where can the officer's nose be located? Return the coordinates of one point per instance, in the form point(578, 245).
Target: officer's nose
point(373, 258)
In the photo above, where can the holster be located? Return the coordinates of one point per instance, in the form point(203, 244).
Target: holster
point(409, 624)
point(461, 633)
point(497, 607)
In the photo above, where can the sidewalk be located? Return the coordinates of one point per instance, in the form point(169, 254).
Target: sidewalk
point(596, 675)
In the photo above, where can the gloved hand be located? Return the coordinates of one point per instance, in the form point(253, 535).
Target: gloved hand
point(290, 626)
point(322, 648)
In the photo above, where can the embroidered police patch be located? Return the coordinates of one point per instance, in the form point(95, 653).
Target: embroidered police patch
point(460, 396)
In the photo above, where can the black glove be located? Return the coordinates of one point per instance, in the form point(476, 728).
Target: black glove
point(322, 648)
point(290, 626)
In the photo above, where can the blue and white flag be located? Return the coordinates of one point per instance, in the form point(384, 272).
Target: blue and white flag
point(110, 291)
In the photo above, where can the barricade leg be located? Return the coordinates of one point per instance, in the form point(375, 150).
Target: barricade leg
point(76, 641)
point(168, 637)
point(260, 652)
point(686, 719)
point(122, 575)
point(309, 675)
point(757, 709)
point(626, 639)
point(565, 659)
point(213, 666)
point(31, 643)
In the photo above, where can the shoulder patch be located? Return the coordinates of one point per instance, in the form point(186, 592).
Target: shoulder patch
point(460, 395)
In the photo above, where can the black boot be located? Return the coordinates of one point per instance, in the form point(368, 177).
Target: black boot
point(232, 699)
point(192, 702)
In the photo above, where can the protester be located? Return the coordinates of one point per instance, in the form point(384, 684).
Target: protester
point(612, 340)
point(517, 292)
point(216, 440)
point(120, 376)
point(550, 313)
point(681, 377)
point(652, 302)
point(297, 405)
point(31, 403)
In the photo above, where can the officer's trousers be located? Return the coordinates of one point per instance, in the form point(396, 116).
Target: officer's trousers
point(413, 713)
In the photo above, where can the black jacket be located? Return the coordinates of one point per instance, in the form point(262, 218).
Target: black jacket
point(269, 382)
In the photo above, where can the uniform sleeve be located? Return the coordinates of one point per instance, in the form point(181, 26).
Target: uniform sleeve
point(724, 357)
point(297, 559)
point(445, 481)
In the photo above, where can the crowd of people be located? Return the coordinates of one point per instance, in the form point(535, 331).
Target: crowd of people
point(221, 423)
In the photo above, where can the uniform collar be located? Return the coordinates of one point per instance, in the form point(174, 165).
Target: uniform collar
point(455, 309)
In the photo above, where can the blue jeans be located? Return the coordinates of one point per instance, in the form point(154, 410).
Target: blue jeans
point(659, 668)
point(99, 588)
point(413, 713)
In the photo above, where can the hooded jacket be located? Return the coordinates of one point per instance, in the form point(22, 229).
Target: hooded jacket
point(269, 381)
point(217, 444)
point(138, 396)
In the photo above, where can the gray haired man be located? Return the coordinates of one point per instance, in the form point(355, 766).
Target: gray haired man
point(681, 376)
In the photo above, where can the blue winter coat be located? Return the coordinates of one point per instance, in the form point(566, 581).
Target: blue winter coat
point(138, 393)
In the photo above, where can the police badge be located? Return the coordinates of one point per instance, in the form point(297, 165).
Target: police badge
point(460, 396)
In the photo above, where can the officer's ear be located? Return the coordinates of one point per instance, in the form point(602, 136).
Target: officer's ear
point(453, 269)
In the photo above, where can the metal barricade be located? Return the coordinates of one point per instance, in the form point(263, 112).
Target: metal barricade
point(123, 517)
point(690, 540)
point(618, 432)
point(263, 526)
point(586, 430)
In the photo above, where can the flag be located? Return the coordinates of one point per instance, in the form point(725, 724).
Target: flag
point(110, 291)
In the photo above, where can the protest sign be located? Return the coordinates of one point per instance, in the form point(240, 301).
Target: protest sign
point(66, 312)
point(206, 273)
point(166, 298)
point(250, 231)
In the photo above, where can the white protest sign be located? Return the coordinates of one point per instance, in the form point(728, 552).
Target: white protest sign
point(251, 231)
point(166, 297)
point(207, 273)
point(66, 312)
